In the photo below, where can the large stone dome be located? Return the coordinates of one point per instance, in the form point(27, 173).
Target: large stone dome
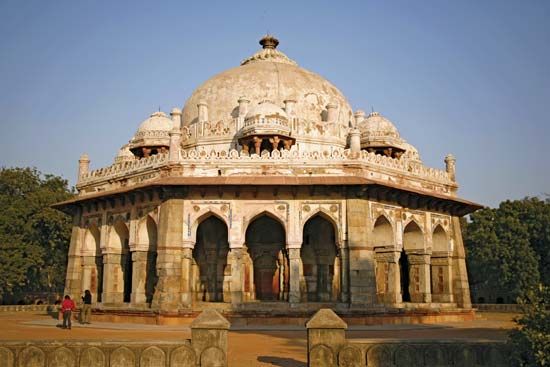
point(267, 75)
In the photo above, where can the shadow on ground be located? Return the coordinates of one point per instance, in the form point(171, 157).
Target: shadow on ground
point(281, 362)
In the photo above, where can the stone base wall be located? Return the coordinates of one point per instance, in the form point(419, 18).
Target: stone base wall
point(328, 347)
point(206, 348)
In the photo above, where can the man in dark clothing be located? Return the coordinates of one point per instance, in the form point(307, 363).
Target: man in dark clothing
point(67, 307)
point(87, 307)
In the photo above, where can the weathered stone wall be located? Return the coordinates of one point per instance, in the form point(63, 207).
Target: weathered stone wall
point(328, 347)
point(206, 348)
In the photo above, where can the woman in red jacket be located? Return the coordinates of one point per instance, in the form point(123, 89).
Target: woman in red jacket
point(67, 307)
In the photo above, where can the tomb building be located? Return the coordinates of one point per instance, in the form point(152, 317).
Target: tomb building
point(267, 188)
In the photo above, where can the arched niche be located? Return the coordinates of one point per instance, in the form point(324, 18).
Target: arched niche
point(413, 238)
point(321, 264)
point(266, 275)
point(382, 232)
point(440, 241)
point(210, 259)
point(202, 216)
point(91, 241)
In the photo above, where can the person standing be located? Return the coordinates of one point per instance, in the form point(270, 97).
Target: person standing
point(86, 307)
point(67, 307)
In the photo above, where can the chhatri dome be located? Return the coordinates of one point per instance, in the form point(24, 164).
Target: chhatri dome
point(268, 187)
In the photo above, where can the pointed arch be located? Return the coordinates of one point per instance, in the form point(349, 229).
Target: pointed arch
point(210, 259)
point(320, 259)
point(211, 211)
point(325, 214)
point(147, 233)
point(118, 236)
point(413, 237)
point(91, 245)
point(440, 240)
point(267, 213)
point(382, 232)
point(266, 270)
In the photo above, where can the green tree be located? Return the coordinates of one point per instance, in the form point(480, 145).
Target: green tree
point(507, 248)
point(34, 238)
point(530, 344)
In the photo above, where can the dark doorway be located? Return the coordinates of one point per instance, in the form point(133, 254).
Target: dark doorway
point(404, 271)
point(210, 255)
point(265, 240)
point(126, 264)
point(320, 262)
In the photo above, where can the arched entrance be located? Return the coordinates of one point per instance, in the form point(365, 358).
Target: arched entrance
point(265, 241)
point(321, 265)
point(95, 281)
point(151, 276)
point(210, 260)
point(413, 241)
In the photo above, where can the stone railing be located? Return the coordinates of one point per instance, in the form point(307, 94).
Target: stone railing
point(15, 308)
point(327, 346)
point(401, 165)
point(206, 348)
point(498, 307)
point(123, 168)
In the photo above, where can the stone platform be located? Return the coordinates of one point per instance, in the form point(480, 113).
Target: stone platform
point(283, 313)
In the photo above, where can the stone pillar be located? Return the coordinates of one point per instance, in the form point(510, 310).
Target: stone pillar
point(419, 277)
point(73, 279)
point(203, 111)
point(326, 335)
point(186, 274)
point(169, 252)
point(359, 116)
point(237, 270)
point(388, 280)
point(362, 285)
point(139, 277)
point(83, 166)
point(442, 275)
point(295, 273)
point(355, 141)
point(344, 271)
point(461, 290)
point(176, 118)
point(173, 152)
point(113, 281)
point(209, 338)
point(332, 112)
point(450, 166)
point(88, 266)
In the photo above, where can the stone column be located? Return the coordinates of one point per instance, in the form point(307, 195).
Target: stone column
point(139, 277)
point(441, 274)
point(237, 269)
point(419, 277)
point(388, 281)
point(113, 281)
point(295, 273)
point(186, 274)
point(88, 265)
point(344, 269)
point(461, 290)
point(73, 279)
point(326, 335)
point(169, 252)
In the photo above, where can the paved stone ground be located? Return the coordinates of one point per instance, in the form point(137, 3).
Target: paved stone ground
point(283, 346)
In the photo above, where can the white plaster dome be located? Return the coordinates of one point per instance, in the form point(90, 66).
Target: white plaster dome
point(153, 132)
point(124, 154)
point(268, 74)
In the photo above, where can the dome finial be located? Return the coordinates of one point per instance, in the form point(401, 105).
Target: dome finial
point(268, 41)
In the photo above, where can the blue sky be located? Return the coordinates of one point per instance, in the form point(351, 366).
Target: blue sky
point(466, 77)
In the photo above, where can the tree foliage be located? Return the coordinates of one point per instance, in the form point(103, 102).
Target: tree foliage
point(508, 248)
point(531, 342)
point(34, 238)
